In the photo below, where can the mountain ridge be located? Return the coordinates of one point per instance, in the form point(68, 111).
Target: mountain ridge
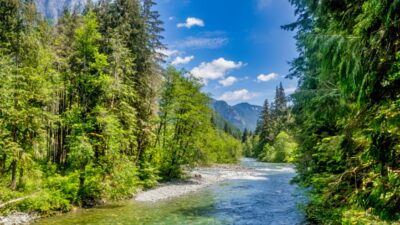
point(243, 115)
point(52, 9)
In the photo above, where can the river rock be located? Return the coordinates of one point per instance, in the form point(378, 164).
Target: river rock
point(16, 219)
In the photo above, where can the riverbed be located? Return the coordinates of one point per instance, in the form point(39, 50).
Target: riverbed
point(264, 197)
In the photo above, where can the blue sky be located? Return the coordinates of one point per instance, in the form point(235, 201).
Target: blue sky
point(236, 47)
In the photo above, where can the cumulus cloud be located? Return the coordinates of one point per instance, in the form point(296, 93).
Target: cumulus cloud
point(182, 61)
point(190, 22)
point(214, 70)
point(239, 95)
point(229, 81)
point(167, 52)
point(268, 77)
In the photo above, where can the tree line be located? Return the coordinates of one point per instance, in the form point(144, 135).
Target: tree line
point(272, 140)
point(87, 112)
point(346, 110)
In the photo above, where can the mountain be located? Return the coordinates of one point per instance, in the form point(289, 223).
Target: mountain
point(53, 9)
point(242, 115)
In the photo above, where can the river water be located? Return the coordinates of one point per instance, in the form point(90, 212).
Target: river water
point(265, 199)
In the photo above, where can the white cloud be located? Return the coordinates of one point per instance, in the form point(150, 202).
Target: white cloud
point(209, 39)
point(202, 42)
point(181, 61)
point(229, 81)
point(290, 90)
point(268, 77)
point(262, 4)
point(239, 95)
point(171, 18)
point(167, 52)
point(214, 70)
point(190, 22)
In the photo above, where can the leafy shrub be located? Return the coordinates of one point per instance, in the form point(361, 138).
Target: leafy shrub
point(68, 186)
point(282, 150)
point(45, 202)
point(121, 183)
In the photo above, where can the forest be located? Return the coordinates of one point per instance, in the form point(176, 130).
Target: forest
point(87, 112)
point(273, 139)
point(341, 128)
point(346, 111)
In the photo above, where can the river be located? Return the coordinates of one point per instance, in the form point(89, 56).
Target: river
point(268, 199)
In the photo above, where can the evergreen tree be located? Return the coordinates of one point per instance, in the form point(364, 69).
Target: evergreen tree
point(264, 126)
point(90, 82)
point(153, 29)
point(24, 88)
point(273, 122)
point(77, 107)
point(279, 110)
point(346, 108)
point(245, 135)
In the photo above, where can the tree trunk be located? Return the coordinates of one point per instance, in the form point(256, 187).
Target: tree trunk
point(82, 178)
point(21, 177)
point(13, 184)
point(3, 165)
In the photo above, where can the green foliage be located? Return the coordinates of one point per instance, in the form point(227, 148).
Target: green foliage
point(346, 109)
point(185, 132)
point(272, 142)
point(250, 145)
point(45, 202)
point(67, 186)
point(79, 119)
point(281, 151)
point(220, 147)
point(268, 154)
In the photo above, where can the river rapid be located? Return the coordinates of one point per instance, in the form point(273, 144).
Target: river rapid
point(263, 199)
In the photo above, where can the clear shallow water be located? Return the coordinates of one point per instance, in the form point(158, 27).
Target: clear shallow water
point(265, 199)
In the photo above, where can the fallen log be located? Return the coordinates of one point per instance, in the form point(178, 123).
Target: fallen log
point(16, 200)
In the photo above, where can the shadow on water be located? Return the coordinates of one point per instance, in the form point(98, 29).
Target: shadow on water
point(263, 199)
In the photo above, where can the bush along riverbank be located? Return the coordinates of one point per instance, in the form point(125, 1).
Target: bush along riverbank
point(87, 115)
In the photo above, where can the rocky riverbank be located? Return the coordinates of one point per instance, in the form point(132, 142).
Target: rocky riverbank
point(199, 178)
point(17, 219)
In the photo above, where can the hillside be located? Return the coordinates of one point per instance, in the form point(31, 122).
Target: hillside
point(243, 115)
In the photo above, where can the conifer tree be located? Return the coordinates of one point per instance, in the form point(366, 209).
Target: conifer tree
point(90, 82)
point(279, 110)
point(24, 87)
point(346, 108)
point(245, 135)
point(77, 107)
point(63, 96)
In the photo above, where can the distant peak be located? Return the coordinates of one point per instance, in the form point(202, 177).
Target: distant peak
point(245, 104)
point(243, 115)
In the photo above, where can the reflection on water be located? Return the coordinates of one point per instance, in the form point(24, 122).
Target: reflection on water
point(266, 198)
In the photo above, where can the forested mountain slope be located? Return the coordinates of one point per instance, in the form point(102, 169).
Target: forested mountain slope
point(243, 116)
